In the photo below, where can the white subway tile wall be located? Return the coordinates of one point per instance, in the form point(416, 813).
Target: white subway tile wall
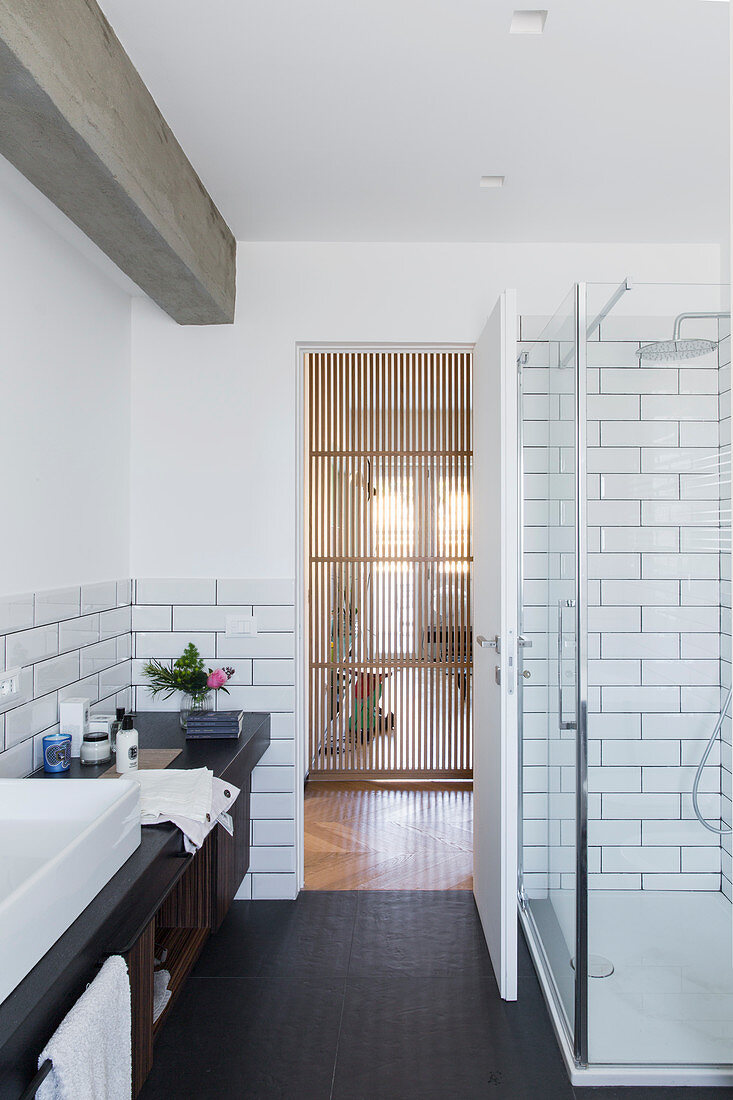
point(67, 642)
point(659, 619)
point(166, 616)
point(90, 640)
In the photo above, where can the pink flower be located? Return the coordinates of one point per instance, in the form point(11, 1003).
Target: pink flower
point(217, 679)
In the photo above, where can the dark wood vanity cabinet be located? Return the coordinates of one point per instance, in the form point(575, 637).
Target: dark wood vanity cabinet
point(230, 855)
point(178, 931)
point(161, 900)
point(193, 909)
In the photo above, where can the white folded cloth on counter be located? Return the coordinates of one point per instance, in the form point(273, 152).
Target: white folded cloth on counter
point(193, 799)
point(91, 1050)
point(186, 791)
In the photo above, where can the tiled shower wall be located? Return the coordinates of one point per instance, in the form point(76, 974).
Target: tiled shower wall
point(166, 616)
point(657, 580)
point(68, 642)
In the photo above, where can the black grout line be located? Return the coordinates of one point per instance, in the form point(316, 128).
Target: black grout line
point(343, 999)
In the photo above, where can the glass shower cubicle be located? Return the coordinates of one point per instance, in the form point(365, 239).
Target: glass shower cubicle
point(625, 869)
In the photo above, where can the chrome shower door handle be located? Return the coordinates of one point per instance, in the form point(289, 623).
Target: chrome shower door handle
point(562, 723)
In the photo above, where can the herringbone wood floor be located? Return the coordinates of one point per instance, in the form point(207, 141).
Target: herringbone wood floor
point(388, 836)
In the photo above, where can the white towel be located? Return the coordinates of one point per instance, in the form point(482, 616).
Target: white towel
point(91, 1050)
point(191, 799)
point(161, 993)
point(186, 792)
point(223, 797)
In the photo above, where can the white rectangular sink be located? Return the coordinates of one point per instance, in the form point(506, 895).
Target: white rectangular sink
point(61, 841)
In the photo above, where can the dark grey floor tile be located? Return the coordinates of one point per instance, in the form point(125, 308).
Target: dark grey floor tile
point(249, 1037)
point(672, 1093)
point(532, 1038)
point(423, 933)
point(409, 1037)
point(418, 1016)
point(311, 935)
point(249, 934)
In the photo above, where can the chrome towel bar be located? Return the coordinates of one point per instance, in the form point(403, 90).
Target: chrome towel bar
point(38, 1080)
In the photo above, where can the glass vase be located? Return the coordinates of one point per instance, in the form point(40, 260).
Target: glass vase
point(194, 704)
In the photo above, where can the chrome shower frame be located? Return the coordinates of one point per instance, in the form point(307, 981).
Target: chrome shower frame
point(581, 666)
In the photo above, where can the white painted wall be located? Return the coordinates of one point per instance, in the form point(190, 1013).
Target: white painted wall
point(65, 402)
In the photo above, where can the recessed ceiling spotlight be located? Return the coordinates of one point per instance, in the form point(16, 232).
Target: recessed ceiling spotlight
point(492, 181)
point(528, 21)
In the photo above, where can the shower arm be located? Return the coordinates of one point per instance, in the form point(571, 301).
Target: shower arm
point(694, 317)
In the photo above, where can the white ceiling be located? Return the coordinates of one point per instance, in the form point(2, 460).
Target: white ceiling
point(373, 120)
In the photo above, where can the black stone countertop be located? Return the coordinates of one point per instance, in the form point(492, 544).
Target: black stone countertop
point(121, 909)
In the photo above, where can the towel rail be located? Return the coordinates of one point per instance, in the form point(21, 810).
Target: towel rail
point(38, 1080)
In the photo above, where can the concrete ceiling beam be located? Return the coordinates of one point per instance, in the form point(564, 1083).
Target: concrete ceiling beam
point(77, 120)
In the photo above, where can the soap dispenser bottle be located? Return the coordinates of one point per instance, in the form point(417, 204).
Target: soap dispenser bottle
point(115, 728)
point(127, 745)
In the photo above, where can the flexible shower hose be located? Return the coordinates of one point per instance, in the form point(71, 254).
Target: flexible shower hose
point(701, 766)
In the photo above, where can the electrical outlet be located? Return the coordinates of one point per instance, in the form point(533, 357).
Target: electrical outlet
point(9, 684)
point(241, 626)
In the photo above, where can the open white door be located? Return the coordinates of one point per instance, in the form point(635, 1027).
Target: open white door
point(495, 616)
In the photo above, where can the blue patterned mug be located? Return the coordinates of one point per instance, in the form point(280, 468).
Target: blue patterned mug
point(56, 752)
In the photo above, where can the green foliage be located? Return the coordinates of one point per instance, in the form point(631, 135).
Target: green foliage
point(187, 674)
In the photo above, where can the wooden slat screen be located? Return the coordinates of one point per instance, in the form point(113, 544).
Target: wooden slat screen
point(390, 560)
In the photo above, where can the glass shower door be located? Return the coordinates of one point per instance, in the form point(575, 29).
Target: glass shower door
point(550, 656)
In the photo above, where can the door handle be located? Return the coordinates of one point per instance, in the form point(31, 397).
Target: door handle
point(562, 722)
point(524, 643)
point(489, 643)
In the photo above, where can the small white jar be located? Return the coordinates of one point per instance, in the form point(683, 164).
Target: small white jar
point(127, 746)
point(95, 748)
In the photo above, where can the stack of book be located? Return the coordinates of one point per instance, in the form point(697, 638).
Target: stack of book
point(214, 723)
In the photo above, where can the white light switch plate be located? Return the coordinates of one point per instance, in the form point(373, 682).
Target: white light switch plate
point(241, 626)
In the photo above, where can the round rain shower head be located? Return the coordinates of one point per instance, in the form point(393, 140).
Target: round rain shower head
point(667, 351)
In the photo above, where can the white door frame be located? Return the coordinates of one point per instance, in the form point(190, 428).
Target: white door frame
point(301, 552)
